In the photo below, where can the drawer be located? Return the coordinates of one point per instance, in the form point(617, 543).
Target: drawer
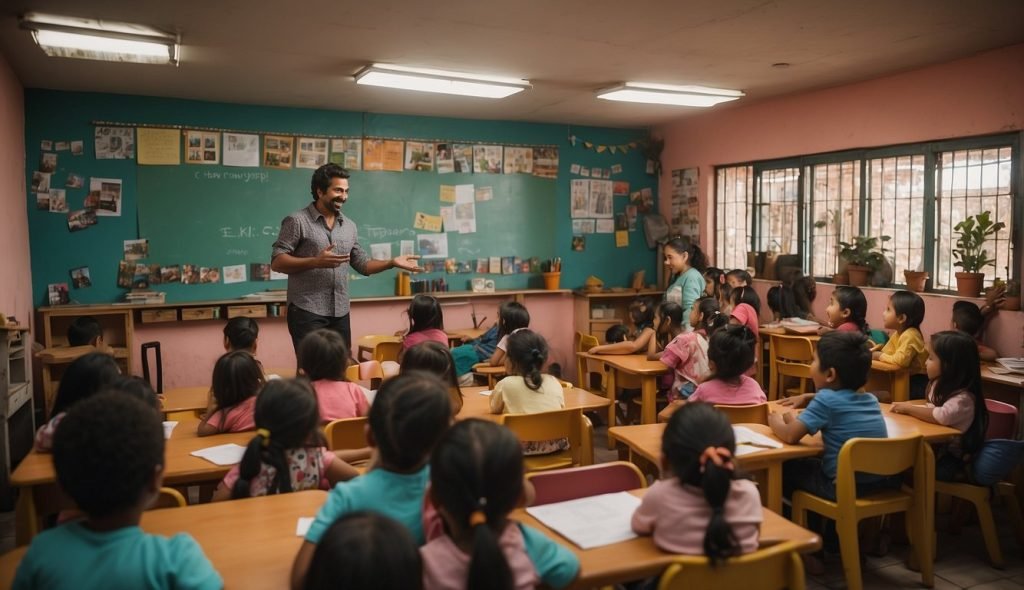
point(153, 316)
point(20, 395)
point(200, 313)
point(247, 311)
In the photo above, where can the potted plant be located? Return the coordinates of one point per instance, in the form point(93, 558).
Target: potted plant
point(833, 219)
point(1012, 301)
point(916, 280)
point(970, 253)
point(863, 256)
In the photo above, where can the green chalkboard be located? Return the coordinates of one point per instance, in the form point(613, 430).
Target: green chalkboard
point(217, 216)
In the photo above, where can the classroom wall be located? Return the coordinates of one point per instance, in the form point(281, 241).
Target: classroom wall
point(15, 262)
point(976, 95)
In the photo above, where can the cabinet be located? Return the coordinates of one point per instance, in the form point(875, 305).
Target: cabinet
point(17, 408)
point(595, 312)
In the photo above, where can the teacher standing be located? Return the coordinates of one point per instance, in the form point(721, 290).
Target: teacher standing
point(315, 248)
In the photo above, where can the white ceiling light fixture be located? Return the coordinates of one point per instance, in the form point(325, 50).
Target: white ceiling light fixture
point(685, 96)
point(64, 36)
point(441, 81)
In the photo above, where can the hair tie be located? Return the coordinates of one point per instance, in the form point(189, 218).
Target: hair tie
point(535, 353)
point(265, 434)
point(720, 456)
point(477, 517)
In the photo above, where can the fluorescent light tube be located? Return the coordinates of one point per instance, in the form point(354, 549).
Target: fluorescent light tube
point(60, 36)
point(687, 96)
point(444, 82)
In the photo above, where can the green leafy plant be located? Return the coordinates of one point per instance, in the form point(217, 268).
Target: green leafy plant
point(972, 233)
point(864, 251)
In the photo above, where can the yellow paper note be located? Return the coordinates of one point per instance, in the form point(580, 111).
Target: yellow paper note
point(159, 146)
point(621, 238)
point(447, 193)
point(427, 222)
point(394, 155)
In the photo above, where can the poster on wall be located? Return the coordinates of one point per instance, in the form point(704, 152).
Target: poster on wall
point(685, 208)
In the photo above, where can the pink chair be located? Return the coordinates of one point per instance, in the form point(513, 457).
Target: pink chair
point(1002, 420)
point(559, 485)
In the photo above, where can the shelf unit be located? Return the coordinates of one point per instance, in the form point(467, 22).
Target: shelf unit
point(613, 306)
point(17, 407)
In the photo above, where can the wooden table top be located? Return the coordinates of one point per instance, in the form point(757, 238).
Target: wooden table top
point(475, 405)
point(1011, 379)
point(630, 363)
point(639, 558)
point(185, 399)
point(180, 466)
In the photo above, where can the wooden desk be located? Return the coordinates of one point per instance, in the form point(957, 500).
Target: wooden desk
point(37, 474)
point(640, 558)
point(493, 374)
point(458, 336)
point(186, 399)
point(1008, 388)
point(623, 368)
point(475, 405)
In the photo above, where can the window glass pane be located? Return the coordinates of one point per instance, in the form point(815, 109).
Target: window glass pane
point(834, 212)
point(778, 194)
point(734, 199)
point(896, 209)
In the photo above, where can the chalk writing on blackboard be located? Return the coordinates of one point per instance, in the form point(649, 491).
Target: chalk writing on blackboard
point(376, 232)
point(260, 177)
point(247, 231)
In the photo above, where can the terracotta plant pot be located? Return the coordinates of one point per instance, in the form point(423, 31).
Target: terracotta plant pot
point(859, 275)
point(915, 280)
point(841, 278)
point(1011, 303)
point(968, 284)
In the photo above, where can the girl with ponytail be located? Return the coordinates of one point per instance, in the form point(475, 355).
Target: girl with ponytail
point(287, 454)
point(700, 507)
point(527, 389)
point(686, 353)
point(476, 479)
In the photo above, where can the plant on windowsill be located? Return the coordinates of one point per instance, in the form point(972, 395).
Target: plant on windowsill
point(970, 253)
point(863, 256)
point(916, 280)
point(833, 220)
point(1011, 292)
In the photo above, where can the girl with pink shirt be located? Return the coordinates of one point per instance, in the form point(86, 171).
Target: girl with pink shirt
point(426, 322)
point(847, 310)
point(700, 507)
point(323, 357)
point(686, 353)
point(237, 378)
point(730, 356)
point(955, 399)
point(746, 309)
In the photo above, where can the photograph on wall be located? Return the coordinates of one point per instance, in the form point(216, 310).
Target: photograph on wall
point(234, 273)
point(518, 160)
point(394, 155)
point(170, 274)
point(347, 153)
point(77, 147)
point(373, 154)
point(620, 188)
point(462, 156)
point(114, 143)
point(579, 243)
point(60, 146)
point(43, 201)
point(580, 198)
point(601, 198)
point(125, 272)
point(278, 151)
point(545, 162)
point(487, 159)
point(631, 216)
point(209, 274)
point(48, 162)
point(582, 226)
point(202, 147)
point(242, 149)
point(40, 182)
point(46, 145)
point(259, 271)
point(74, 180)
point(605, 226)
point(432, 245)
point(189, 274)
point(312, 154)
point(419, 156)
point(109, 198)
point(483, 193)
point(81, 219)
point(140, 276)
point(57, 294)
point(80, 277)
point(136, 249)
point(443, 155)
point(58, 201)
point(155, 276)
point(643, 199)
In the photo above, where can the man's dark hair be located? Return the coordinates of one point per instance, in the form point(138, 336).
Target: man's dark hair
point(323, 175)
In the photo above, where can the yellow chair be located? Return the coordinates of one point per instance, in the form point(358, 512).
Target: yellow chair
point(769, 568)
point(347, 433)
point(981, 496)
point(791, 356)
point(365, 371)
point(168, 498)
point(880, 456)
point(750, 414)
point(589, 372)
point(568, 423)
point(387, 351)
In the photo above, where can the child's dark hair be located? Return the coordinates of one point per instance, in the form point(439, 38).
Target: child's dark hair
point(425, 314)
point(909, 304)
point(746, 295)
point(848, 353)
point(136, 387)
point(512, 316)
point(717, 278)
point(287, 417)
point(732, 350)
point(852, 298)
point(713, 319)
point(528, 351)
point(641, 311)
point(774, 300)
point(236, 377)
point(106, 452)
point(408, 416)
point(85, 376)
point(967, 317)
point(323, 355)
point(241, 333)
point(671, 313)
point(84, 330)
point(435, 358)
point(477, 470)
point(741, 274)
point(694, 433)
point(961, 370)
point(616, 333)
point(365, 550)
point(696, 257)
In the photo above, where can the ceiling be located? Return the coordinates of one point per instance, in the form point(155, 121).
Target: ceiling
point(304, 53)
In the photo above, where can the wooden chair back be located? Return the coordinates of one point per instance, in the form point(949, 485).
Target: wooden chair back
point(387, 351)
point(346, 433)
point(769, 568)
point(559, 485)
point(749, 414)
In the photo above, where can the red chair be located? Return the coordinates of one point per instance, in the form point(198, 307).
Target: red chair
point(559, 485)
point(1002, 420)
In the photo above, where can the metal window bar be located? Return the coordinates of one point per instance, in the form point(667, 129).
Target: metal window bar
point(896, 209)
point(778, 199)
point(734, 199)
point(834, 213)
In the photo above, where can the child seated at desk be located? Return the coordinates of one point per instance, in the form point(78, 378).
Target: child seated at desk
point(437, 360)
point(700, 507)
point(288, 453)
point(408, 416)
point(426, 322)
point(616, 333)
point(323, 357)
point(512, 317)
point(968, 318)
point(85, 331)
point(109, 458)
point(365, 550)
point(641, 316)
point(241, 333)
point(905, 348)
point(237, 378)
point(84, 377)
point(476, 480)
point(730, 356)
point(686, 353)
point(527, 390)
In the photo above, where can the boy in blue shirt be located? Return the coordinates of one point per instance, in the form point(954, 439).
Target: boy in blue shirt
point(109, 458)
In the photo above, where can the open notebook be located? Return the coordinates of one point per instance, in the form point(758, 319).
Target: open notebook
point(748, 441)
point(590, 522)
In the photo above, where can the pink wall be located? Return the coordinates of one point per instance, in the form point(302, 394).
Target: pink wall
point(189, 351)
point(977, 95)
point(15, 276)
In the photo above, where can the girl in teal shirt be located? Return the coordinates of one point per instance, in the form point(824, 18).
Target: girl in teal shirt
point(687, 261)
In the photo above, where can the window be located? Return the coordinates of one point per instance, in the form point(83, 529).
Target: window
point(916, 194)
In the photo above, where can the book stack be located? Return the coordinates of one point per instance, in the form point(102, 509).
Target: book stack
point(143, 296)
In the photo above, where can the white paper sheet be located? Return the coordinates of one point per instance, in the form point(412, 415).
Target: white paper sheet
point(487, 392)
point(381, 251)
point(406, 247)
point(591, 522)
point(228, 454)
point(748, 441)
point(302, 526)
point(169, 428)
point(241, 149)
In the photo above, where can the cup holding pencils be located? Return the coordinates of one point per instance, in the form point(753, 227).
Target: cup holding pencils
point(552, 273)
